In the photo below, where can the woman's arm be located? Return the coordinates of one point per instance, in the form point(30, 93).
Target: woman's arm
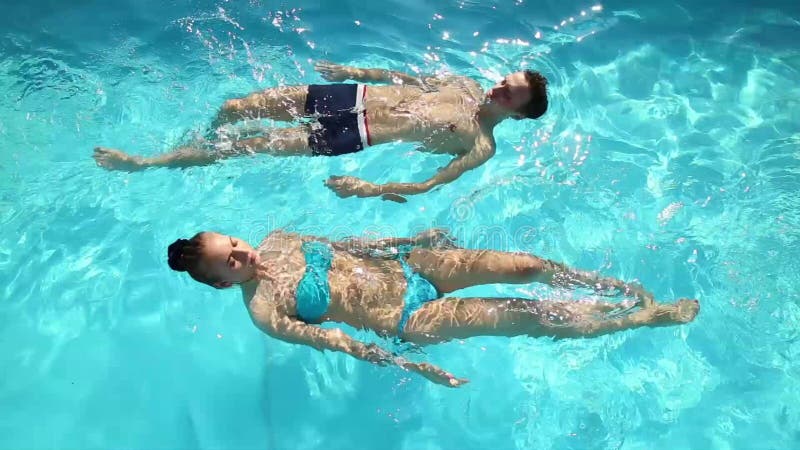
point(361, 244)
point(430, 238)
point(290, 330)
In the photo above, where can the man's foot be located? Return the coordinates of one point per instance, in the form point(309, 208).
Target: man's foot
point(112, 159)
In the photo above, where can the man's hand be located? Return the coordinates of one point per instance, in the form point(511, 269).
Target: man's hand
point(349, 186)
point(334, 72)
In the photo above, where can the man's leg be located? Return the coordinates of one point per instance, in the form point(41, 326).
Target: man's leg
point(281, 103)
point(276, 142)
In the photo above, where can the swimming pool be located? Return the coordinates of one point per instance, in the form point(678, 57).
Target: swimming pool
point(670, 154)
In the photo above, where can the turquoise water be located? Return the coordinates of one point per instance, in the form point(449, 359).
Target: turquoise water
point(670, 155)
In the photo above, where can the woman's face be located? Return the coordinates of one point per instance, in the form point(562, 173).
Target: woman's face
point(229, 259)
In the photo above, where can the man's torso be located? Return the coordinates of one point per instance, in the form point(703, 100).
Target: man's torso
point(443, 119)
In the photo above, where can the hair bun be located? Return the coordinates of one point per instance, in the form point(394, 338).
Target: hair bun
point(175, 255)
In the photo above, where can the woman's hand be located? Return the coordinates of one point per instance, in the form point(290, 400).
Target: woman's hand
point(381, 357)
point(435, 374)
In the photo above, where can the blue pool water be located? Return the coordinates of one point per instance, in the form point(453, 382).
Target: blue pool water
point(670, 154)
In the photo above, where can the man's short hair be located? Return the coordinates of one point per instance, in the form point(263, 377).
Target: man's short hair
point(537, 105)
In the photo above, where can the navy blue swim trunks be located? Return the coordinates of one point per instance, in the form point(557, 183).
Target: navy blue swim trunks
point(341, 126)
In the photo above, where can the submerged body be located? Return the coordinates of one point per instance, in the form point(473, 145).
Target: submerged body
point(449, 115)
point(398, 287)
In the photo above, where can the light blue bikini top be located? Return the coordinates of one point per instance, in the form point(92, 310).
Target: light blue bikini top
point(314, 292)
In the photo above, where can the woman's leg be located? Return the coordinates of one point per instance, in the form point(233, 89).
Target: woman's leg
point(461, 318)
point(454, 269)
point(281, 103)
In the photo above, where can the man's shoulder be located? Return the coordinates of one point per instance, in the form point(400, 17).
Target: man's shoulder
point(463, 80)
point(452, 81)
point(485, 140)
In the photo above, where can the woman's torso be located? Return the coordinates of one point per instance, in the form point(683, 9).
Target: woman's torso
point(364, 292)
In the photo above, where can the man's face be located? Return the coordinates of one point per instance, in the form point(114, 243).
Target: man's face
point(512, 92)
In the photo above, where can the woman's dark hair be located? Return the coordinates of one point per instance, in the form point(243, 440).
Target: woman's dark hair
point(537, 105)
point(184, 255)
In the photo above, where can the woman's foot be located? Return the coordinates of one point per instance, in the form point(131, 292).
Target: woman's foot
point(112, 159)
point(601, 310)
point(683, 311)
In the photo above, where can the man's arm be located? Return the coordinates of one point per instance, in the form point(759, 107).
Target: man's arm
point(349, 186)
point(337, 72)
point(294, 331)
point(449, 173)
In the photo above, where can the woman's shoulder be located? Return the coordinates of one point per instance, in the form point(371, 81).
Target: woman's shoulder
point(269, 296)
point(280, 239)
